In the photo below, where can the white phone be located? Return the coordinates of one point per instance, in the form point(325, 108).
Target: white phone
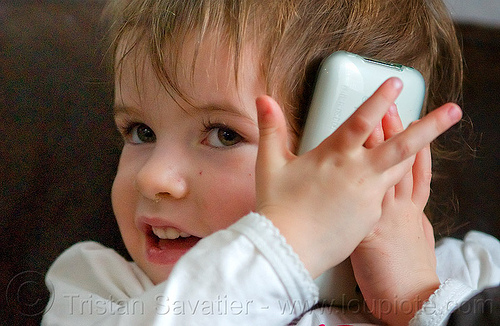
point(345, 80)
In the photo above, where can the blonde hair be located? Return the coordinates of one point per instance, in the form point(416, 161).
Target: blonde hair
point(293, 37)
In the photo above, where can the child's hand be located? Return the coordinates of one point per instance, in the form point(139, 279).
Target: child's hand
point(326, 201)
point(395, 265)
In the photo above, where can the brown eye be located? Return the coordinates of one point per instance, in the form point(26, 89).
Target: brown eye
point(223, 137)
point(141, 133)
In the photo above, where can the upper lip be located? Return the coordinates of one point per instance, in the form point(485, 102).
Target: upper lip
point(145, 224)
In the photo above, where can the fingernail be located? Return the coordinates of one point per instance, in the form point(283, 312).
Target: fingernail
point(393, 110)
point(454, 112)
point(397, 83)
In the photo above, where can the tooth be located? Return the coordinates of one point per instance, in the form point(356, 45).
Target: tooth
point(160, 233)
point(169, 233)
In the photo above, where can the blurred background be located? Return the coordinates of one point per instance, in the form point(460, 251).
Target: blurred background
point(58, 148)
point(480, 12)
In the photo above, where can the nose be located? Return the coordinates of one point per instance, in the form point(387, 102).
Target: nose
point(163, 175)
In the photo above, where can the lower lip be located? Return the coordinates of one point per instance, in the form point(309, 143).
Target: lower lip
point(167, 252)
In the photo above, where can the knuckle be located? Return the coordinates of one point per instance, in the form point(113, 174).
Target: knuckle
point(427, 177)
point(361, 124)
point(403, 150)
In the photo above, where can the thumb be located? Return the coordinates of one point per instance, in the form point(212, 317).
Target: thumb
point(272, 134)
point(428, 231)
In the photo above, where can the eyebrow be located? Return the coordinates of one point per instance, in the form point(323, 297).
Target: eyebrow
point(229, 109)
point(224, 109)
point(123, 109)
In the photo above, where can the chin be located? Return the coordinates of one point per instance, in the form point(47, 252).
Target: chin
point(157, 273)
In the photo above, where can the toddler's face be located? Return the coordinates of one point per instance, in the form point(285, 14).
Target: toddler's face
point(185, 172)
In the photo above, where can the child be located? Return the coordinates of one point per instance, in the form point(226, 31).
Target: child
point(224, 223)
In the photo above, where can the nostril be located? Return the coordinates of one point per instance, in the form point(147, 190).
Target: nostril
point(159, 196)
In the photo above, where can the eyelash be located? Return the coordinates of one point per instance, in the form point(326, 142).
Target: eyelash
point(209, 126)
point(127, 127)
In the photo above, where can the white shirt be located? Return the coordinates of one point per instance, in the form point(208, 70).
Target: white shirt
point(244, 275)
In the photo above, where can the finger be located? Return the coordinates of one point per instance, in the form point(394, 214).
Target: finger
point(422, 175)
point(428, 231)
point(357, 128)
point(415, 137)
point(376, 137)
point(392, 126)
point(396, 174)
point(391, 123)
point(272, 135)
point(389, 195)
point(405, 187)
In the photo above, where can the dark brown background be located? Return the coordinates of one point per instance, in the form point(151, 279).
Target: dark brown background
point(59, 150)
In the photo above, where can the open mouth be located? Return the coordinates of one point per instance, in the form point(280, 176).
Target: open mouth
point(169, 233)
point(165, 245)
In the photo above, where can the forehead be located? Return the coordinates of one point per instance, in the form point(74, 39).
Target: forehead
point(192, 71)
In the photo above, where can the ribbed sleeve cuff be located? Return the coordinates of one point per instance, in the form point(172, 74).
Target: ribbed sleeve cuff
point(437, 309)
point(269, 241)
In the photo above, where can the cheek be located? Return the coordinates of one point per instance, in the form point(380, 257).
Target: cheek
point(123, 199)
point(119, 193)
point(229, 193)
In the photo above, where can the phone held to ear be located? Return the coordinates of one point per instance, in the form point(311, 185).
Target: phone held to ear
point(345, 80)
